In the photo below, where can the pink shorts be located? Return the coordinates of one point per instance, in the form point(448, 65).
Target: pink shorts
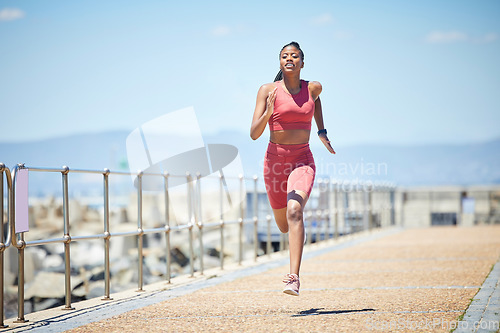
point(287, 168)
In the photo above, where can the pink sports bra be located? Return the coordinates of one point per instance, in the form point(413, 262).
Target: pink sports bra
point(292, 111)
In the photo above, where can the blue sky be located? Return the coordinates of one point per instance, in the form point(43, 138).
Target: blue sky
point(393, 72)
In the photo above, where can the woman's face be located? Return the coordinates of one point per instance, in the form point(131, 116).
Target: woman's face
point(290, 59)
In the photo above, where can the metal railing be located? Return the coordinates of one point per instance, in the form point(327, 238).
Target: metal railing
point(4, 244)
point(331, 212)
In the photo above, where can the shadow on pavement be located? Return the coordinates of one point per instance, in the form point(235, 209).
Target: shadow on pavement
point(318, 311)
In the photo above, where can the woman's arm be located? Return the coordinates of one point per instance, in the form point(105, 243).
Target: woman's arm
point(318, 116)
point(264, 108)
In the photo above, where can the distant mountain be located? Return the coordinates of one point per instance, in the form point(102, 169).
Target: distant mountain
point(79, 151)
point(465, 164)
point(94, 151)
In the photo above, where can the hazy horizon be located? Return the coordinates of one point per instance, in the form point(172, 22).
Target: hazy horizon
point(264, 137)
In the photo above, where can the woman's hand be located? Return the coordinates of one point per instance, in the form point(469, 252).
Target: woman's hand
point(271, 97)
point(324, 138)
point(264, 108)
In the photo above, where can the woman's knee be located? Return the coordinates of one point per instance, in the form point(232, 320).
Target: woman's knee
point(294, 212)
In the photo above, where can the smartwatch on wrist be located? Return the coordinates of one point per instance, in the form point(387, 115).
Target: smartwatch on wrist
point(322, 131)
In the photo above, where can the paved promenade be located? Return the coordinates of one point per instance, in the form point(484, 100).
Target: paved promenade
point(390, 280)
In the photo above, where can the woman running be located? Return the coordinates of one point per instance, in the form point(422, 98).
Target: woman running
point(288, 106)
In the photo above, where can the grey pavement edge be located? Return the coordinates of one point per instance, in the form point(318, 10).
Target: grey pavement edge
point(57, 320)
point(483, 313)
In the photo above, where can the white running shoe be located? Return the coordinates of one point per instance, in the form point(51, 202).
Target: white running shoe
point(292, 284)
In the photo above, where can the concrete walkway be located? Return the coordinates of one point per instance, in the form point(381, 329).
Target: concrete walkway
point(389, 280)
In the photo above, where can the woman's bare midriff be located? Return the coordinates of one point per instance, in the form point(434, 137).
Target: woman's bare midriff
point(290, 137)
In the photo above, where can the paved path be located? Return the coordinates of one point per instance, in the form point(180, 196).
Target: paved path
point(391, 280)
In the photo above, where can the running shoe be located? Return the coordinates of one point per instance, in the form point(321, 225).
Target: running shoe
point(292, 284)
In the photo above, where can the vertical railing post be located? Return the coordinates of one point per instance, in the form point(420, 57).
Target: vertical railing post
point(404, 199)
point(20, 282)
point(392, 205)
point(255, 219)
point(326, 219)
point(370, 209)
point(268, 241)
point(167, 228)
point(221, 200)
point(318, 223)
point(140, 234)
point(191, 222)
point(386, 205)
point(491, 206)
point(2, 244)
point(326, 213)
point(18, 242)
point(346, 212)
point(2, 168)
point(200, 219)
point(389, 204)
point(309, 227)
point(240, 221)
point(366, 210)
point(67, 240)
point(385, 221)
point(107, 236)
point(336, 210)
point(282, 242)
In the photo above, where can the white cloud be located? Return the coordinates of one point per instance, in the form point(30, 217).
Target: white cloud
point(488, 38)
point(322, 19)
point(11, 14)
point(221, 30)
point(439, 37)
point(342, 35)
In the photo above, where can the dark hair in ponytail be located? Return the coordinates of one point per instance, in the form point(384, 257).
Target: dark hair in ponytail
point(279, 76)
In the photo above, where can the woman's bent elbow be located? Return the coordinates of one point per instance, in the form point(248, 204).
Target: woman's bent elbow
point(254, 134)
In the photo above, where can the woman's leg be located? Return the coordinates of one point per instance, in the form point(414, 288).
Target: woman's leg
point(290, 219)
point(295, 211)
point(300, 183)
point(280, 218)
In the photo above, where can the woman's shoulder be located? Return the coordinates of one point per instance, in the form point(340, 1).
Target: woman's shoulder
point(270, 85)
point(314, 84)
point(267, 87)
point(315, 88)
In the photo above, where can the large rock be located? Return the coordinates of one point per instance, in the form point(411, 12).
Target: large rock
point(49, 285)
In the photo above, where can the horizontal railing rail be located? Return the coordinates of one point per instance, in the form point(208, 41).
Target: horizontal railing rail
point(331, 212)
